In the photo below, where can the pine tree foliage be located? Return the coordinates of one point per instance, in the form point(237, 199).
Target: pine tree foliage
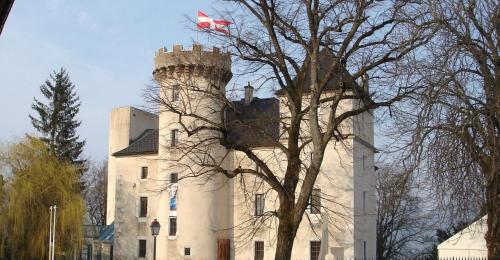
point(40, 180)
point(56, 120)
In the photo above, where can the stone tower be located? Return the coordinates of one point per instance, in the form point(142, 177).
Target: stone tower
point(197, 212)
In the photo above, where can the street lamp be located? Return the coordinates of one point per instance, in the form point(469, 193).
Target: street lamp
point(155, 230)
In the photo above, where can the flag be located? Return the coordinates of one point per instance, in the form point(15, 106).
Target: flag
point(205, 22)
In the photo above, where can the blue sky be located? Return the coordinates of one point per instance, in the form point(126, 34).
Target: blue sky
point(106, 46)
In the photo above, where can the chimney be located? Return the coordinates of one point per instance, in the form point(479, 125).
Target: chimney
point(248, 94)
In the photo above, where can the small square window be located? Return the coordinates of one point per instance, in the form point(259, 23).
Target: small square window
point(259, 250)
point(174, 137)
point(172, 227)
point(142, 248)
point(174, 177)
point(259, 204)
point(143, 211)
point(315, 248)
point(144, 172)
point(187, 250)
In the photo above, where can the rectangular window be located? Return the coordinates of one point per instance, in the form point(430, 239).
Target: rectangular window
point(315, 201)
point(142, 248)
point(174, 137)
point(174, 177)
point(364, 202)
point(144, 172)
point(364, 249)
point(175, 93)
point(259, 204)
point(259, 250)
point(187, 250)
point(143, 207)
point(315, 247)
point(172, 226)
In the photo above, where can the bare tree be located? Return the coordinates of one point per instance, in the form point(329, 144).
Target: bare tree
point(457, 117)
point(315, 54)
point(95, 193)
point(401, 223)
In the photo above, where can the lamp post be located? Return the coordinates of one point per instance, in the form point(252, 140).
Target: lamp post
point(155, 230)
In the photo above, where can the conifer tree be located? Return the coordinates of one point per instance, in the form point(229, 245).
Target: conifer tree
point(56, 119)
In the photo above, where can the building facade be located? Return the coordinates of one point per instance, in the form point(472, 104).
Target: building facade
point(152, 173)
point(469, 242)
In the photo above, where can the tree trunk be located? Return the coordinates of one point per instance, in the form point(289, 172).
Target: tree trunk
point(493, 211)
point(286, 235)
point(493, 170)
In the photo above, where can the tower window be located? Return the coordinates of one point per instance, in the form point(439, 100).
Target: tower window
point(144, 172)
point(174, 177)
point(259, 250)
point(143, 207)
point(364, 249)
point(172, 226)
point(175, 93)
point(315, 248)
point(142, 248)
point(315, 201)
point(364, 202)
point(174, 137)
point(259, 204)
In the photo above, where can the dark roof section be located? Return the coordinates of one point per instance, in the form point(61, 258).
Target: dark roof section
point(146, 143)
point(325, 60)
point(5, 6)
point(253, 125)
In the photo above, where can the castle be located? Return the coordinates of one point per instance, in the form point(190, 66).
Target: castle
point(151, 174)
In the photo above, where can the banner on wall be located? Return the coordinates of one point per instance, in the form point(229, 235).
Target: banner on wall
point(173, 196)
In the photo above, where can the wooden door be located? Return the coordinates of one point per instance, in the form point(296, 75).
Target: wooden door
point(223, 249)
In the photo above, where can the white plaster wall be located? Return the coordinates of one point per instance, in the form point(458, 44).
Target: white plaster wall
point(469, 242)
point(129, 228)
point(342, 180)
point(203, 211)
point(125, 124)
point(365, 216)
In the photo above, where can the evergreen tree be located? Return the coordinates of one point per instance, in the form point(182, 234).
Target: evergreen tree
point(56, 120)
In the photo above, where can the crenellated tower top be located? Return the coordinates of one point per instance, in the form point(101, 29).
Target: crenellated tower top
point(212, 63)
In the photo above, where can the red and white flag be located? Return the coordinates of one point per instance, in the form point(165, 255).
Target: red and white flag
point(205, 22)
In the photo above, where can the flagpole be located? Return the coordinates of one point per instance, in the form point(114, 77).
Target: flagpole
point(197, 28)
point(54, 233)
point(50, 233)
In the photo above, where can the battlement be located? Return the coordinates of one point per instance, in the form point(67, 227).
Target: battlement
point(196, 58)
